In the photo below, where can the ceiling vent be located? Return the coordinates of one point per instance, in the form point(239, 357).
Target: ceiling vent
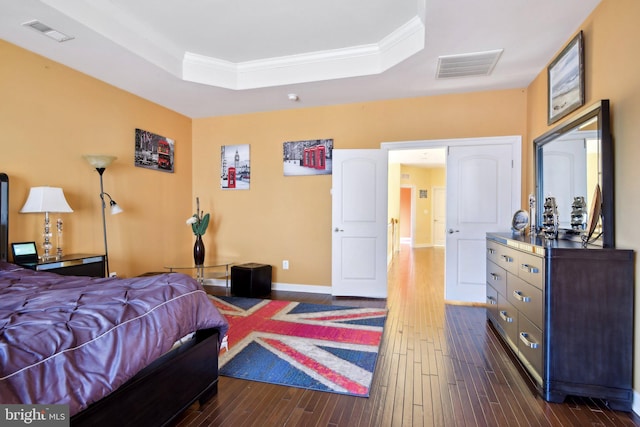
point(468, 64)
point(48, 31)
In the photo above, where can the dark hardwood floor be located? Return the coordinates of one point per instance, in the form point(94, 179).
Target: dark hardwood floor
point(439, 365)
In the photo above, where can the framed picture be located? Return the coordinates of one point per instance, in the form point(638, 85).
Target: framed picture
point(235, 167)
point(153, 151)
point(309, 157)
point(520, 221)
point(566, 80)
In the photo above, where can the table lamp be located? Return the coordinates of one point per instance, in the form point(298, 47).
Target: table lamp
point(47, 200)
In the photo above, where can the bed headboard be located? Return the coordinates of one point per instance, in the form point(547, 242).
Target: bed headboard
point(4, 217)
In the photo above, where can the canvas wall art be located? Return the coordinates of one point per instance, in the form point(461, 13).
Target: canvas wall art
point(309, 157)
point(235, 167)
point(566, 80)
point(154, 151)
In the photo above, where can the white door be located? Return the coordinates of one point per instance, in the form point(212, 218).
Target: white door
point(479, 200)
point(359, 223)
point(439, 209)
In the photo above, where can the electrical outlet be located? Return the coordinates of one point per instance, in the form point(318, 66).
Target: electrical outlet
point(285, 264)
point(113, 274)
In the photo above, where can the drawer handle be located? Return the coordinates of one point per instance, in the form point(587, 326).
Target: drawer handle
point(494, 276)
point(529, 268)
point(492, 300)
point(505, 317)
point(491, 251)
point(518, 295)
point(506, 258)
point(524, 337)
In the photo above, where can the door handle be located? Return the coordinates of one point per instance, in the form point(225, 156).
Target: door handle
point(338, 230)
point(451, 231)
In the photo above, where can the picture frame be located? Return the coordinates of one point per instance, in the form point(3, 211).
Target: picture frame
point(307, 157)
point(152, 151)
point(565, 76)
point(235, 167)
point(520, 221)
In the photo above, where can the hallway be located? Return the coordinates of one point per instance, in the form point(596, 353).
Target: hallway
point(439, 365)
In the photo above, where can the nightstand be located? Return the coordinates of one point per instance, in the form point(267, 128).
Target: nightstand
point(72, 265)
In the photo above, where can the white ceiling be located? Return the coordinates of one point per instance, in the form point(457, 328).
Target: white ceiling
point(206, 58)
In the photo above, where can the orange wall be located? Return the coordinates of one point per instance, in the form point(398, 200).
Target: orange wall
point(290, 217)
point(278, 218)
point(611, 35)
point(50, 116)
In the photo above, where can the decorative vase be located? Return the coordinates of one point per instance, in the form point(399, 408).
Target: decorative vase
point(198, 251)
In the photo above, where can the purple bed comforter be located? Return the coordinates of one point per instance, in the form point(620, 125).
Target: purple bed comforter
point(73, 340)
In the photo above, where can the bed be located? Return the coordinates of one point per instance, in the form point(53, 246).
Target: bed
point(135, 351)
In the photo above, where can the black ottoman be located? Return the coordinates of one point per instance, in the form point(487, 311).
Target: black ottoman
point(250, 280)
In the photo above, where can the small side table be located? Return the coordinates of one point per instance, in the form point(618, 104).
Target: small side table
point(251, 280)
point(217, 264)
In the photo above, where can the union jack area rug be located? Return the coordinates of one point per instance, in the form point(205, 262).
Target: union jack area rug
point(311, 346)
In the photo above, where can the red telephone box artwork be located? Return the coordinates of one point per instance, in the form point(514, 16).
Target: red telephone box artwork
point(311, 157)
point(235, 167)
point(232, 178)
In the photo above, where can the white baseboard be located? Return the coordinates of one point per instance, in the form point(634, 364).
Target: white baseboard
point(289, 287)
point(635, 405)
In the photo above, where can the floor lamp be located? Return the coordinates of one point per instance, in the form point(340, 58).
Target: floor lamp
point(100, 163)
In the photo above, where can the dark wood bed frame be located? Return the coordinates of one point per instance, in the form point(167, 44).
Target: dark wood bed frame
point(161, 391)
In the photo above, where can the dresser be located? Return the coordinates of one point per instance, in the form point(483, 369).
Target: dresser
point(566, 312)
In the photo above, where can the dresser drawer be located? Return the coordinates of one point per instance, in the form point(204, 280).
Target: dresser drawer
point(526, 298)
point(508, 321)
point(492, 303)
point(530, 269)
point(497, 277)
point(530, 347)
point(493, 251)
point(503, 256)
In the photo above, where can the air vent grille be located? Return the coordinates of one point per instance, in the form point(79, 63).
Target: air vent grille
point(467, 65)
point(48, 31)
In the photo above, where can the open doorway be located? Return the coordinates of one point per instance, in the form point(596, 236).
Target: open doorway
point(482, 190)
point(422, 178)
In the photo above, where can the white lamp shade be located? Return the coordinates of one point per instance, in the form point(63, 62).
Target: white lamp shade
point(115, 208)
point(46, 199)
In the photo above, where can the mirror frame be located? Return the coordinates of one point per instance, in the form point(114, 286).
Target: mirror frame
point(601, 111)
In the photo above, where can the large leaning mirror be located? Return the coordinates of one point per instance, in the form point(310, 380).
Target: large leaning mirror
point(574, 165)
